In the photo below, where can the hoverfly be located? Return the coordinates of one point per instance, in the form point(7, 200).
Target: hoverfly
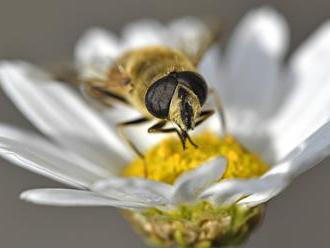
point(161, 83)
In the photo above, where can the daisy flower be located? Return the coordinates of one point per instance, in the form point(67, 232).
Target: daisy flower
point(277, 115)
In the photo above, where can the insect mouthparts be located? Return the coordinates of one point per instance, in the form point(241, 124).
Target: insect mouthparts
point(186, 115)
point(186, 109)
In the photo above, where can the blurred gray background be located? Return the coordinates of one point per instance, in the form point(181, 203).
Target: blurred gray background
point(46, 30)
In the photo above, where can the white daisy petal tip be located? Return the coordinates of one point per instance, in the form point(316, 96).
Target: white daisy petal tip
point(26, 196)
point(189, 31)
point(94, 44)
point(190, 184)
point(75, 198)
point(63, 197)
point(270, 27)
point(192, 25)
point(143, 33)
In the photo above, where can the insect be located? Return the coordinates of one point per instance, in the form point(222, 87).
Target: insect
point(161, 83)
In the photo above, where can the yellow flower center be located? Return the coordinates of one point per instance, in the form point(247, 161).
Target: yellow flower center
point(167, 160)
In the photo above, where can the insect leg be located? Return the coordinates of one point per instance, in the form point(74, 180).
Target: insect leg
point(120, 128)
point(159, 128)
point(101, 95)
point(110, 94)
point(220, 109)
point(204, 116)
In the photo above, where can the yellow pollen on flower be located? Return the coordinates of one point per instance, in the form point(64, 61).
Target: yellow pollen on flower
point(167, 160)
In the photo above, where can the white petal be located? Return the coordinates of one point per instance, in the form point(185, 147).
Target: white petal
point(144, 33)
point(138, 134)
point(211, 67)
point(39, 156)
point(188, 34)
point(95, 52)
point(256, 191)
point(143, 191)
point(252, 191)
point(267, 189)
point(308, 106)
point(254, 53)
point(59, 113)
point(310, 152)
point(252, 74)
point(188, 186)
point(70, 198)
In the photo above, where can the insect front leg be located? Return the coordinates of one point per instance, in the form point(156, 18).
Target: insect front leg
point(123, 125)
point(204, 116)
point(159, 128)
point(101, 95)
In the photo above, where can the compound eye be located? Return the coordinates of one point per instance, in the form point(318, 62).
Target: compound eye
point(195, 82)
point(159, 95)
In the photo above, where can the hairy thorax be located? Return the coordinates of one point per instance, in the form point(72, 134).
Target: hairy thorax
point(146, 65)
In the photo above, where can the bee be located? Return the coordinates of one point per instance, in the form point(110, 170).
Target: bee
point(160, 82)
